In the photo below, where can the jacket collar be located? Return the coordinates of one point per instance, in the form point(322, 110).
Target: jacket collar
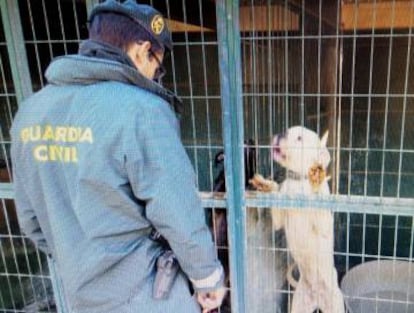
point(84, 70)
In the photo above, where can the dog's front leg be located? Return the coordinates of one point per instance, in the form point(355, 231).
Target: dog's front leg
point(259, 183)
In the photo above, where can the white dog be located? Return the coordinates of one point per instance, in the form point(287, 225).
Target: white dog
point(309, 231)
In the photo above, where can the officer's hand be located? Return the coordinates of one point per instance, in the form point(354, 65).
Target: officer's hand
point(211, 300)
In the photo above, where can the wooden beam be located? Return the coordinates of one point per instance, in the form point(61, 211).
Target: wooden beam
point(268, 18)
point(359, 16)
point(312, 9)
point(256, 18)
point(180, 27)
point(380, 15)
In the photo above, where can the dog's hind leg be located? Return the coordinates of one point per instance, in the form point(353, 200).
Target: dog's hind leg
point(330, 295)
point(338, 301)
point(303, 301)
point(278, 218)
point(333, 302)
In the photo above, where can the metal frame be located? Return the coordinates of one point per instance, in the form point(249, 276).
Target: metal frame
point(232, 117)
point(16, 49)
point(18, 62)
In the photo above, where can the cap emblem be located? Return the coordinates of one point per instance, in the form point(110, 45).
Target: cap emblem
point(157, 24)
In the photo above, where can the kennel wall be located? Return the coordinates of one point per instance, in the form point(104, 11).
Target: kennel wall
point(345, 67)
point(247, 70)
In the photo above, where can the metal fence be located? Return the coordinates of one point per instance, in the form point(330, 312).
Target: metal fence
point(247, 70)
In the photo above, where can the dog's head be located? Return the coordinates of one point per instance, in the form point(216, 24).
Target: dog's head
point(298, 149)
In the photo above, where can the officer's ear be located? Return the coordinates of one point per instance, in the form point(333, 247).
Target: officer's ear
point(144, 49)
point(138, 52)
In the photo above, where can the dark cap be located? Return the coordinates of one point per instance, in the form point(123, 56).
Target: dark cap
point(146, 16)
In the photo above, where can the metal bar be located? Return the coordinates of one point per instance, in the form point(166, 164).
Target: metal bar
point(255, 67)
point(405, 105)
point(329, 36)
point(368, 124)
point(191, 92)
point(355, 95)
point(335, 203)
point(286, 70)
point(338, 203)
point(15, 46)
point(7, 275)
point(228, 34)
point(269, 65)
point(13, 254)
point(206, 99)
point(410, 253)
point(36, 46)
point(49, 38)
point(318, 104)
point(173, 70)
point(387, 104)
point(351, 115)
point(76, 20)
point(9, 115)
point(62, 27)
point(31, 275)
point(302, 70)
point(338, 89)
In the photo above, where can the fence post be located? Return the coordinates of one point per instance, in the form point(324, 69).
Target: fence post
point(22, 82)
point(228, 36)
point(16, 50)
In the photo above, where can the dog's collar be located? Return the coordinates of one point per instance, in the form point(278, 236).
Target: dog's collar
point(295, 176)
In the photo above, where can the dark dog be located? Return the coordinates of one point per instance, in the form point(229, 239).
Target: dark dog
point(218, 217)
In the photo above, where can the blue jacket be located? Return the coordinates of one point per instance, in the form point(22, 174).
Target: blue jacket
point(97, 162)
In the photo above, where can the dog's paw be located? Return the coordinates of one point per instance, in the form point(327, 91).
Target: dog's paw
point(259, 183)
point(317, 175)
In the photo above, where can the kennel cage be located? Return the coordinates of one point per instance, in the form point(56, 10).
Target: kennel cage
point(247, 70)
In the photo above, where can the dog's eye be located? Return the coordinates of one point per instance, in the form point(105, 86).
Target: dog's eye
point(299, 138)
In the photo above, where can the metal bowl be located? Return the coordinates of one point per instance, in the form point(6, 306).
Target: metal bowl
point(380, 287)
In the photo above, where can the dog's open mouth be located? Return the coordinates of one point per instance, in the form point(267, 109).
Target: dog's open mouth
point(278, 155)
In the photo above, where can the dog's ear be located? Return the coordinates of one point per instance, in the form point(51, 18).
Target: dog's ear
point(324, 139)
point(324, 156)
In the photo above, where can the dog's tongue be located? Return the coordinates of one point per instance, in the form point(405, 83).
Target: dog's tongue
point(276, 149)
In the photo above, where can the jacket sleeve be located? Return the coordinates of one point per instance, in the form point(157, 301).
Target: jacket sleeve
point(25, 212)
point(162, 175)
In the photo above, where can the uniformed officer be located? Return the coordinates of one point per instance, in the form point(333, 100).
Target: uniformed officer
point(99, 165)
